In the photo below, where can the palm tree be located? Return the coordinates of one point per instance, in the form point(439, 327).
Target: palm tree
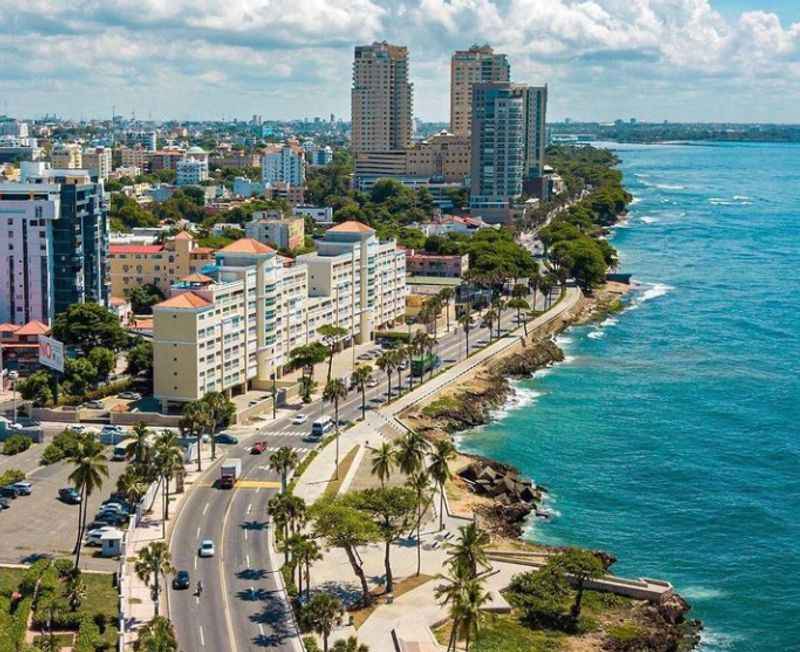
point(411, 450)
point(451, 593)
point(282, 461)
point(89, 467)
point(534, 281)
point(488, 321)
point(520, 305)
point(305, 357)
point(467, 321)
point(153, 562)
point(168, 458)
point(409, 351)
point(349, 645)
point(221, 412)
point(304, 551)
point(132, 485)
point(361, 375)
point(472, 599)
point(156, 636)
point(331, 336)
point(421, 484)
point(195, 422)
point(439, 470)
point(335, 391)
point(278, 510)
point(383, 461)
point(446, 295)
point(499, 306)
point(469, 550)
point(546, 286)
point(386, 363)
point(75, 589)
point(321, 614)
point(138, 450)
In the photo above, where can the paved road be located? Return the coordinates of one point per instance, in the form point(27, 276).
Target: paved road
point(240, 608)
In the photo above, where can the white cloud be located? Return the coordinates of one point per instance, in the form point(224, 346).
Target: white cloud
point(645, 55)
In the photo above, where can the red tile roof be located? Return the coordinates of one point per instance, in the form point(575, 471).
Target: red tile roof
point(246, 246)
point(184, 300)
point(135, 249)
point(9, 328)
point(33, 327)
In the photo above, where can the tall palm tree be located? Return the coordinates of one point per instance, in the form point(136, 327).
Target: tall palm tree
point(420, 482)
point(472, 599)
point(89, 468)
point(411, 450)
point(386, 363)
point(439, 469)
point(534, 281)
point(283, 461)
point(278, 510)
point(331, 336)
point(383, 461)
point(157, 636)
point(168, 458)
point(304, 551)
point(335, 391)
point(153, 562)
point(519, 305)
point(488, 322)
point(397, 356)
point(409, 351)
point(451, 593)
point(321, 614)
point(138, 449)
point(305, 357)
point(467, 321)
point(75, 592)
point(220, 411)
point(195, 422)
point(469, 550)
point(361, 375)
point(499, 306)
point(445, 296)
point(132, 485)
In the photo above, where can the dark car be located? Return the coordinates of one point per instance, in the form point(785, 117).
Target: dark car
point(112, 518)
point(9, 491)
point(181, 580)
point(226, 438)
point(69, 495)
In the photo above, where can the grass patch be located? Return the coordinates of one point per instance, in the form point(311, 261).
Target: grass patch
point(441, 406)
point(625, 633)
point(62, 640)
point(344, 466)
point(504, 633)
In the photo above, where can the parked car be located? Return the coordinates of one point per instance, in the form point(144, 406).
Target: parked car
point(181, 580)
point(9, 491)
point(372, 382)
point(130, 396)
point(94, 537)
point(24, 487)
point(111, 518)
point(95, 405)
point(299, 419)
point(206, 548)
point(226, 438)
point(258, 448)
point(114, 507)
point(69, 495)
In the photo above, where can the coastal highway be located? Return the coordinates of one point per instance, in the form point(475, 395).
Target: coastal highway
point(241, 608)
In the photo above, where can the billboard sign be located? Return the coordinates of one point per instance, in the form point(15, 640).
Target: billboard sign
point(51, 353)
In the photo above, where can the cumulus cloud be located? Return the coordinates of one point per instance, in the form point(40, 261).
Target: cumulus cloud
point(293, 58)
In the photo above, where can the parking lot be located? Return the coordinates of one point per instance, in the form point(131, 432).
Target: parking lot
point(42, 525)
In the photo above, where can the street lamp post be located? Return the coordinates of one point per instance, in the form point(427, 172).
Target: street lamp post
point(274, 396)
point(12, 376)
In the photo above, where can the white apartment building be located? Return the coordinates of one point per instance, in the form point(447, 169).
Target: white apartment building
point(97, 160)
point(192, 169)
point(284, 164)
point(232, 329)
point(320, 214)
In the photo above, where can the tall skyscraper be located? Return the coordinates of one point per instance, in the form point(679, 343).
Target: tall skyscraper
point(382, 99)
point(477, 65)
point(507, 145)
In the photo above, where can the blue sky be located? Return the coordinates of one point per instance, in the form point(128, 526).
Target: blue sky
point(691, 60)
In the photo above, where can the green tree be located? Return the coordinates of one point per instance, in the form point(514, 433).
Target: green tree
point(519, 305)
point(283, 461)
point(75, 589)
point(467, 321)
point(221, 413)
point(305, 357)
point(322, 613)
point(140, 360)
point(393, 510)
point(104, 361)
point(580, 566)
point(341, 525)
point(335, 391)
point(304, 551)
point(350, 644)
point(89, 467)
point(386, 363)
point(331, 337)
point(446, 295)
point(196, 421)
point(168, 460)
point(79, 376)
point(87, 325)
point(361, 375)
point(420, 483)
point(469, 550)
point(383, 461)
point(540, 594)
point(152, 563)
point(138, 449)
point(132, 485)
point(143, 298)
point(410, 452)
point(37, 388)
point(439, 470)
point(157, 636)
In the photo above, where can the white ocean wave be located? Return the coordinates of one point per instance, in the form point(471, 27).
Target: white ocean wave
point(711, 641)
point(646, 292)
point(648, 219)
point(596, 335)
point(669, 186)
point(700, 593)
point(609, 321)
point(742, 198)
point(737, 200)
point(635, 200)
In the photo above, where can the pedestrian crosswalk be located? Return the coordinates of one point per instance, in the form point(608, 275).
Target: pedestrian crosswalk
point(286, 432)
point(301, 452)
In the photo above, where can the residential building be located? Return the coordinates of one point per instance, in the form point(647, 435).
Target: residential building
point(381, 99)
point(535, 132)
point(66, 156)
point(468, 67)
point(442, 157)
point(19, 346)
point(244, 187)
point(279, 190)
point(322, 215)
point(235, 160)
point(276, 230)
point(122, 309)
point(166, 159)
point(284, 164)
point(192, 169)
point(13, 150)
point(97, 160)
point(161, 265)
point(144, 139)
point(56, 222)
point(452, 224)
point(11, 127)
point(135, 157)
point(317, 155)
point(233, 327)
point(420, 263)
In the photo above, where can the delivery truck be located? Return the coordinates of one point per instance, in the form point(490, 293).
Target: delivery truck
point(229, 472)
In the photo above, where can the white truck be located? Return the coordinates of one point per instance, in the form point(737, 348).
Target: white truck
point(229, 473)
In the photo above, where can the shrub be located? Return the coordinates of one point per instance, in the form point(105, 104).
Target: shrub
point(10, 476)
point(310, 644)
point(16, 444)
point(63, 445)
point(89, 638)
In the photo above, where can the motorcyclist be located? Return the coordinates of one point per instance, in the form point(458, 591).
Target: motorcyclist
point(199, 587)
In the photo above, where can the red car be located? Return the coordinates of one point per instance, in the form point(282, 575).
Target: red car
point(258, 448)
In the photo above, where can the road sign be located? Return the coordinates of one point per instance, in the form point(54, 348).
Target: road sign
point(51, 353)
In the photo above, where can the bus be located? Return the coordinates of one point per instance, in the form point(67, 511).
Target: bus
point(321, 426)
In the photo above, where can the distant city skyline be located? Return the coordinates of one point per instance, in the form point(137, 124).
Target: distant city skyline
point(682, 60)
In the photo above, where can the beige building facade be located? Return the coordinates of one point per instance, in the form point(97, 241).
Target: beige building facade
point(234, 328)
point(66, 156)
point(467, 67)
point(444, 157)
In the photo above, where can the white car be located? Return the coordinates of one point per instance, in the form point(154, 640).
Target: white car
point(299, 418)
point(95, 537)
point(206, 548)
point(372, 382)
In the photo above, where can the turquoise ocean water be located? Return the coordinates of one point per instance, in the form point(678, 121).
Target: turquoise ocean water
point(670, 435)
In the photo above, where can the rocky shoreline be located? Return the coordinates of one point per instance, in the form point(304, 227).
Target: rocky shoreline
point(499, 495)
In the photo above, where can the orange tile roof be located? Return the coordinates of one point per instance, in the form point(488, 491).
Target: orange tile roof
point(246, 246)
point(351, 226)
point(33, 327)
point(145, 324)
point(9, 328)
point(197, 278)
point(184, 235)
point(184, 300)
point(201, 250)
